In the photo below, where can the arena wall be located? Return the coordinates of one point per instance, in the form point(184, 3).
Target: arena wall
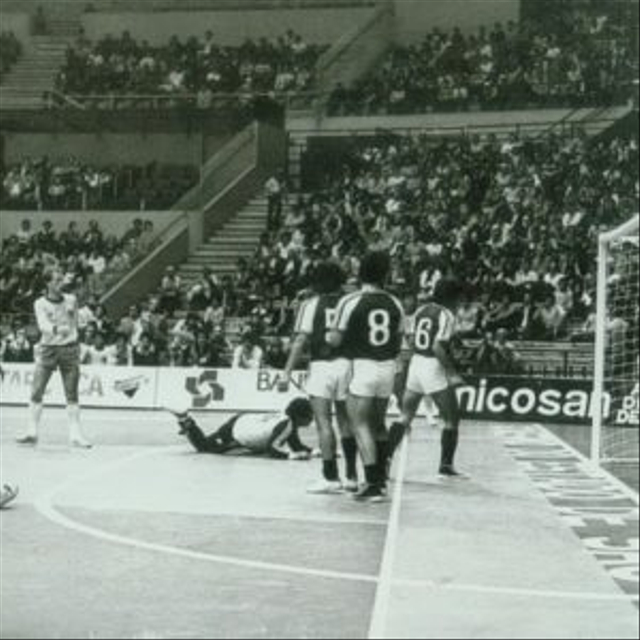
point(321, 26)
point(415, 18)
point(113, 148)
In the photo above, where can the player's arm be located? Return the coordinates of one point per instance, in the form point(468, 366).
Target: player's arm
point(335, 333)
point(303, 328)
point(277, 446)
point(297, 446)
point(46, 327)
point(442, 348)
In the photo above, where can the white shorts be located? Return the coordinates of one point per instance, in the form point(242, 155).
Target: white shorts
point(329, 379)
point(373, 379)
point(426, 376)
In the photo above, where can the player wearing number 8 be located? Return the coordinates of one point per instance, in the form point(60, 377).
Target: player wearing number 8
point(369, 326)
point(432, 371)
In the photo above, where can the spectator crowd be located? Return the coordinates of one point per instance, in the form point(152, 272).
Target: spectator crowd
point(192, 67)
point(515, 219)
point(69, 184)
point(566, 56)
point(91, 259)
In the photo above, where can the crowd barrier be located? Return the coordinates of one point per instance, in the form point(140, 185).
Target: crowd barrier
point(557, 400)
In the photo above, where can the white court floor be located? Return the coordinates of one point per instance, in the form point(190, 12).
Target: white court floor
point(141, 537)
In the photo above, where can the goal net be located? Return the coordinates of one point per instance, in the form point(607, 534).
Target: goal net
point(615, 415)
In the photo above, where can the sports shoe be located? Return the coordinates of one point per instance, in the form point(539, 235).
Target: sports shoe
point(350, 485)
point(79, 442)
point(7, 495)
point(370, 493)
point(450, 472)
point(326, 487)
point(28, 439)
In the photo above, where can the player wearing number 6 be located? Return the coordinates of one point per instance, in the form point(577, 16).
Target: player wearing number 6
point(432, 371)
point(369, 326)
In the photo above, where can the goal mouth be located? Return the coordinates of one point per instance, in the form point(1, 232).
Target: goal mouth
point(614, 436)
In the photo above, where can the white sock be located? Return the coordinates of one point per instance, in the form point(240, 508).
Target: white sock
point(35, 415)
point(73, 416)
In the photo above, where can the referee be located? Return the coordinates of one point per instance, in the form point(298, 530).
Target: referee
point(57, 318)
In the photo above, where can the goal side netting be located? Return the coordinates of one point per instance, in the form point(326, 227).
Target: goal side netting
point(615, 415)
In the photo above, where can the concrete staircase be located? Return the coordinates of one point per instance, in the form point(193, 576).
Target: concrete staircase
point(238, 238)
point(34, 73)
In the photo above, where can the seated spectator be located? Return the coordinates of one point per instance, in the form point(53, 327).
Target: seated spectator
point(16, 347)
point(508, 360)
point(547, 322)
point(145, 353)
point(248, 354)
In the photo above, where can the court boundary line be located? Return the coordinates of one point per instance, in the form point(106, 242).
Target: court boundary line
point(45, 506)
point(600, 472)
point(378, 623)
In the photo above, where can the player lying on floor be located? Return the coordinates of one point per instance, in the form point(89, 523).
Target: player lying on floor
point(7, 494)
point(271, 434)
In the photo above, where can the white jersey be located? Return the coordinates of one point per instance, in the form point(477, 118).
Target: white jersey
point(259, 431)
point(57, 321)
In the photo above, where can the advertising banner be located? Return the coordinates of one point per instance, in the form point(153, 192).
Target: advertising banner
point(115, 387)
point(226, 389)
point(557, 400)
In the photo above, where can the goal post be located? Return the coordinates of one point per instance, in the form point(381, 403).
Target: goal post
point(614, 435)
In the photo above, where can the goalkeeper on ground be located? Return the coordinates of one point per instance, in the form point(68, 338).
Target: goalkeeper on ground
point(272, 434)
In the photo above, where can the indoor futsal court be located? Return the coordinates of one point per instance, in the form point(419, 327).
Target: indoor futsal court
point(139, 538)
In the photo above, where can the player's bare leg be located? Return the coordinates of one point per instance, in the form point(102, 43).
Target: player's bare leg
point(71, 383)
point(447, 403)
point(361, 413)
point(349, 446)
point(331, 482)
point(381, 435)
point(41, 378)
point(410, 405)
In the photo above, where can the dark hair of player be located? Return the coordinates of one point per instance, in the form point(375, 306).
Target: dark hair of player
point(300, 410)
point(448, 291)
point(374, 268)
point(328, 278)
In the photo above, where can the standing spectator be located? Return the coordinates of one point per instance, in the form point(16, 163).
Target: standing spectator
point(170, 291)
point(274, 188)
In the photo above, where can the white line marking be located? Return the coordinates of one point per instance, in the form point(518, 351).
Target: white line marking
point(378, 626)
point(594, 469)
point(44, 505)
point(515, 591)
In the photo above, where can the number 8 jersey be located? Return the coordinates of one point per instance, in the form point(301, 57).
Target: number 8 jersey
point(373, 324)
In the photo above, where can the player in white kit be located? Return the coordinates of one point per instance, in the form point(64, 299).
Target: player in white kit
point(57, 318)
point(272, 434)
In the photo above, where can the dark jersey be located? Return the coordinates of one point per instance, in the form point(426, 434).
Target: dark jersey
point(315, 317)
point(431, 323)
point(372, 322)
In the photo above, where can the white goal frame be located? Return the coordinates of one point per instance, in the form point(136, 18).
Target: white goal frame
point(604, 240)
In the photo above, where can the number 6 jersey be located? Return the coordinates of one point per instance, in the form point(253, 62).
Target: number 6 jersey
point(372, 321)
point(431, 323)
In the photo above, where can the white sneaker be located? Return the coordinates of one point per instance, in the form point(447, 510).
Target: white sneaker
point(350, 485)
point(326, 487)
point(79, 442)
